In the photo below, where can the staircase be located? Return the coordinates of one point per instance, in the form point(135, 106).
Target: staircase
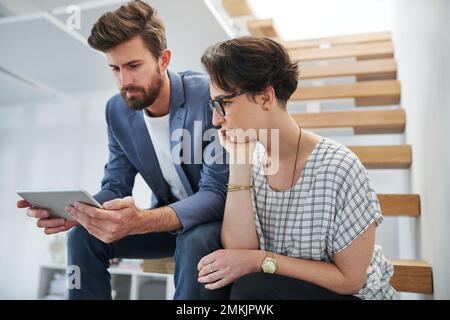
point(369, 58)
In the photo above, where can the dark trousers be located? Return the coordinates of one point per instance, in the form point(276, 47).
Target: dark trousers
point(264, 286)
point(92, 257)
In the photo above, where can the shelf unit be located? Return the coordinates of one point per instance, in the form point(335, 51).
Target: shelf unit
point(126, 284)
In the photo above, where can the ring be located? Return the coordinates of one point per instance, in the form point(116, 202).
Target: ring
point(210, 267)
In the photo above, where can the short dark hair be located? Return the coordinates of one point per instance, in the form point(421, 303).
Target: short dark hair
point(251, 64)
point(136, 18)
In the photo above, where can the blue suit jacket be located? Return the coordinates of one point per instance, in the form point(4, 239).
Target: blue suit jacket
point(131, 151)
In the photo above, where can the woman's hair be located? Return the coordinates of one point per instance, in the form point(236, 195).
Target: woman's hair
point(251, 64)
point(136, 18)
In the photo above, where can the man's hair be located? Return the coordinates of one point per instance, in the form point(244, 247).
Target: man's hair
point(251, 64)
point(136, 18)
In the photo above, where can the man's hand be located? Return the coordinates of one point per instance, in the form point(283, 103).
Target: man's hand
point(50, 225)
point(118, 219)
point(225, 266)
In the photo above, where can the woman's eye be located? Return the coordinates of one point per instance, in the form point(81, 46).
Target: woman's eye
point(134, 66)
point(226, 103)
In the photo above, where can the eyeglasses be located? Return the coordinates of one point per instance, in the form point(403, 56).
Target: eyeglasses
point(217, 104)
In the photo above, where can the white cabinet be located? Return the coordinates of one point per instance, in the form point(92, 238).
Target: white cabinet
point(126, 284)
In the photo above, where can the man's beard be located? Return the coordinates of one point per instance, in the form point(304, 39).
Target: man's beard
point(147, 98)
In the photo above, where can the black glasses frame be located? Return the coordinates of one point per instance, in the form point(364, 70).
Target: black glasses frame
point(217, 104)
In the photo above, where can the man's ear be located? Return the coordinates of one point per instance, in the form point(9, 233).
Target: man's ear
point(266, 98)
point(164, 59)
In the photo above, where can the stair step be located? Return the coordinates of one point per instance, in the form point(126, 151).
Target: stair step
point(363, 70)
point(266, 28)
point(412, 276)
point(400, 204)
point(364, 51)
point(339, 40)
point(367, 93)
point(237, 8)
point(362, 121)
point(163, 265)
point(262, 28)
point(384, 157)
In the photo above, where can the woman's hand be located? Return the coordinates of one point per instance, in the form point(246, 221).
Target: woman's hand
point(224, 266)
point(239, 144)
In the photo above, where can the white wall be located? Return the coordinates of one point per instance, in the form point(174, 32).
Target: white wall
point(421, 32)
point(48, 145)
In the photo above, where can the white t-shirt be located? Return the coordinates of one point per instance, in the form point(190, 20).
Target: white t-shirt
point(158, 129)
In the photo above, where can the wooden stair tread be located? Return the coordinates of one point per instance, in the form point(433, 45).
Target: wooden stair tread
point(376, 50)
point(384, 157)
point(163, 265)
point(368, 92)
point(400, 204)
point(364, 70)
point(362, 121)
point(262, 28)
point(340, 40)
point(237, 8)
point(412, 276)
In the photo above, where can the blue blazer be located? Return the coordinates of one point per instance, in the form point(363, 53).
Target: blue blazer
point(131, 151)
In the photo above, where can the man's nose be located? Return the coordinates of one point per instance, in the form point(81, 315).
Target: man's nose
point(217, 119)
point(125, 79)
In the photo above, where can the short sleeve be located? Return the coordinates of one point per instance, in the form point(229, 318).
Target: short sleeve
point(357, 206)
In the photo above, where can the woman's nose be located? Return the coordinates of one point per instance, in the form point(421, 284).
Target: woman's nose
point(217, 118)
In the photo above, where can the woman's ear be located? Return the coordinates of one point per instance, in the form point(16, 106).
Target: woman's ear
point(266, 98)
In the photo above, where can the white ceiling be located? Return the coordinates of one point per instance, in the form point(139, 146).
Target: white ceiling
point(38, 46)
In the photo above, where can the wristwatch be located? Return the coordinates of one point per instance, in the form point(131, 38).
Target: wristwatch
point(269, 264)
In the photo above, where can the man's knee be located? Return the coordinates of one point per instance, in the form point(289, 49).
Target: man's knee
point(203, 238)
point(80, 241)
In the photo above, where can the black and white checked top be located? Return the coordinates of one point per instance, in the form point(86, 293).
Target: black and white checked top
point(331, 205)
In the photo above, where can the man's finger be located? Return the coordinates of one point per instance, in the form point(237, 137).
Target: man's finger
point(117, 204)
point(23, 204)
point(50, 223)
point(67, 225)
point(55, 230)
point(38, 213)
point(91, 211)
point(70, 223)
point(85, 219)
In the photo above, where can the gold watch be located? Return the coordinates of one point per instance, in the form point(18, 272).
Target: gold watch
point(269, 264)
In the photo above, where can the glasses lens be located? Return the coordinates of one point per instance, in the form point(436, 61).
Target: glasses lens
point(211, 105)
point(215, 105)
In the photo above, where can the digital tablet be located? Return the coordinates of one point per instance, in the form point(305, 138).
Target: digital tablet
point(56, 200)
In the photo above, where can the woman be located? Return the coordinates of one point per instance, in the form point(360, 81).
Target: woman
point(306, 229)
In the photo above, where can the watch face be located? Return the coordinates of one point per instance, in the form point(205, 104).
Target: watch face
point(269, 266)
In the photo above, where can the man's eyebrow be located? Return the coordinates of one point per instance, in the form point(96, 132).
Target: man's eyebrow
point(126, 64)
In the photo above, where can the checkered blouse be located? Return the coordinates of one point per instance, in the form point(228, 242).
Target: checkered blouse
point(330, 206)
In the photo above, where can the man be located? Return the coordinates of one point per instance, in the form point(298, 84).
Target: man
point(154, 105)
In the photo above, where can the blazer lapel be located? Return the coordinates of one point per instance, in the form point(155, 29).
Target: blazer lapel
point(177, 121)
